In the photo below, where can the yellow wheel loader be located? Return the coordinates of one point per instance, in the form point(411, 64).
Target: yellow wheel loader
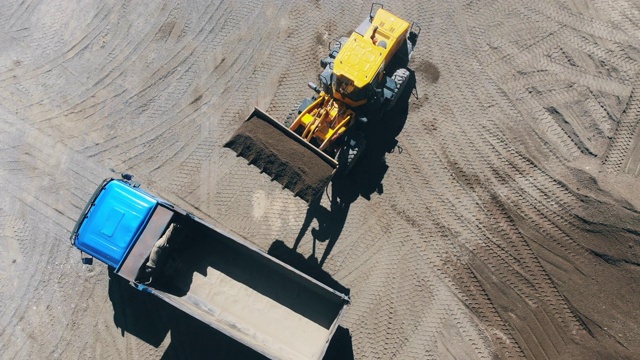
point(363, 77)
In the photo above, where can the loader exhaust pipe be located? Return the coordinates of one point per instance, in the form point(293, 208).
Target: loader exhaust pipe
point(314, 87)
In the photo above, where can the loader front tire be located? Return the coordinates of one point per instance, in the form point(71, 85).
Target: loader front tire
point(349, 153)
point(288, 121)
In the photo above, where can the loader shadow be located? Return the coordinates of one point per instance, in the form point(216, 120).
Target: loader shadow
point(150, 319)
point(330, 221)
point(309, 267)
point(368, 173)
point(363, 180)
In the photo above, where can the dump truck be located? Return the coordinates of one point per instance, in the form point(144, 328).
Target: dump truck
point(208, 272)
point(364, 76)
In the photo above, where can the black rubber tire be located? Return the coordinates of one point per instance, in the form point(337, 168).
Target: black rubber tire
point(400, 76)
point(288, 121)
point(348, 156)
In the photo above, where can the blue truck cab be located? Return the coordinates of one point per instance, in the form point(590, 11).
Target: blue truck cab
point(112, 222)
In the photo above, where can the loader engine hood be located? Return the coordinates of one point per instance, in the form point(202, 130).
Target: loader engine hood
point(112, 223)
point(365, 54)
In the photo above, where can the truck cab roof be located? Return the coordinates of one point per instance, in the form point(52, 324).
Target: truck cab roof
point(113, 221)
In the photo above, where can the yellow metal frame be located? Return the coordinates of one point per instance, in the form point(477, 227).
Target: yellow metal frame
point(325, 120)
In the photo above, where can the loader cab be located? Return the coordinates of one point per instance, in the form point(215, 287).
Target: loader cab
point(359, 67)
point(344, 89)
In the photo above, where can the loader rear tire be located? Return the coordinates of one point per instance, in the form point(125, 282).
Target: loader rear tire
point(401, 77)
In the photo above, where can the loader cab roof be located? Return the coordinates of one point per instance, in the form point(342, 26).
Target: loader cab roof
point(361, 58)
point(114, 221)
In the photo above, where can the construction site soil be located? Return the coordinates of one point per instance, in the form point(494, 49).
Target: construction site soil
point(499, 217)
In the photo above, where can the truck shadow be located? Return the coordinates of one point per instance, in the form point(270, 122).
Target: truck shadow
point(150, 319)
point(363, 180)
point(340, 346)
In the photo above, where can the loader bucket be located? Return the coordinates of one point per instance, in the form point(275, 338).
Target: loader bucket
point(283, 155)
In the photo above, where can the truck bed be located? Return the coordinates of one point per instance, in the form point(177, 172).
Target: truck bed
point(242, 292)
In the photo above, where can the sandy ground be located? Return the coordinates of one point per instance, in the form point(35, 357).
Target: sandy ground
point(505, 224)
